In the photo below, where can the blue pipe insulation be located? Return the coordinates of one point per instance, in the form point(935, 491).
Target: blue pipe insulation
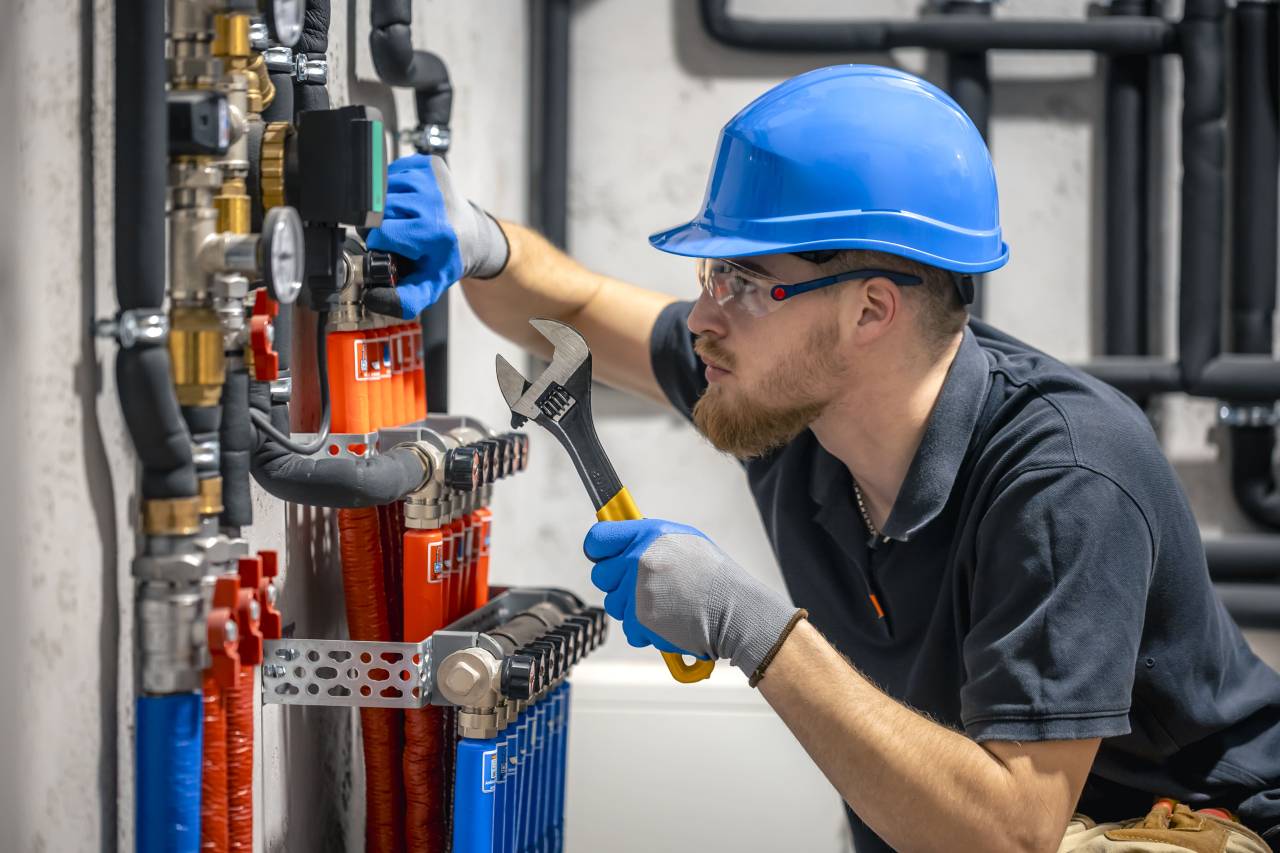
point(561, 745)
point(169, 739)
point(474, 788)
point(511, 774)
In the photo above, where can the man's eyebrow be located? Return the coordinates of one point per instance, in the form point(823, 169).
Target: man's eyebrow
point(753, 266)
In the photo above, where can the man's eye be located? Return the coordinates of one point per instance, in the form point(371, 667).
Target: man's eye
point(740, 284)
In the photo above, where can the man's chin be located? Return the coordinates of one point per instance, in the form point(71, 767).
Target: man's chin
point(745, 431)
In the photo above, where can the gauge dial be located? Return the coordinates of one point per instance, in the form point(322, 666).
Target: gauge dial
point(282, 253)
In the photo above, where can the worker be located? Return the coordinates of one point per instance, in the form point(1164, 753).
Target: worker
point(999, 617)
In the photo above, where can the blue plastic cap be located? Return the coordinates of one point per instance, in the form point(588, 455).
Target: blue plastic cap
point(850, 157)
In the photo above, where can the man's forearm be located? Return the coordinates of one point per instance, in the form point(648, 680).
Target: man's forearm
point(919, 785)
point(539, 280)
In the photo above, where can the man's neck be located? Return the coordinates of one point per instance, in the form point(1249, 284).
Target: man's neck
point(876, 428)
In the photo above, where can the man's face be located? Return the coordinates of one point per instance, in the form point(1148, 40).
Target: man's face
point(769, 377)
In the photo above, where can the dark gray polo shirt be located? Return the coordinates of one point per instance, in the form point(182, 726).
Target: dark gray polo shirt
point(1043, 580)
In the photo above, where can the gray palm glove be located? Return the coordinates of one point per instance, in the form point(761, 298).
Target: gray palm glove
point(672, 588)
point(442, 236)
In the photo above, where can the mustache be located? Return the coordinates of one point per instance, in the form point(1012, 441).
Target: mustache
point(710, 349)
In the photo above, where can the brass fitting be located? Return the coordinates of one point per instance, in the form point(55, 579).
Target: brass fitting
point(210, 497)
point(171, 516)
point(271, 167)
point(267, 90)
point(195, 348)
point(232, 204)
point(231, 36)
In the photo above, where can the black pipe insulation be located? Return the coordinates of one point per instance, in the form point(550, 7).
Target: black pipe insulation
point(1243, 558)
point(398, 64)
point(1110, 35)
point(1255, 170)
point(281, 107)
point(202, 420)
point(1202, 37)
point(143, 375)
point(969, 82)
point(1252, 605)
point(313, 41)
point(155, 423)
point(235, 440)
point(342, 482)
point(550, 176)
point(1125, 195)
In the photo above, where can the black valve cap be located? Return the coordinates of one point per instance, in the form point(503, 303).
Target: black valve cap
point(462, 469)
point(573, 642)
point(508, 454)
point(588, 628)
point(564, 654)
point(522, 443)
point(541, 656)
point(601, 620)
point(519, 677)
point(379, 269)
point(555, 660)
point(488, 459)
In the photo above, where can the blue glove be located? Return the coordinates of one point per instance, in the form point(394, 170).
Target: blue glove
point(429, 223)
point(672, 588)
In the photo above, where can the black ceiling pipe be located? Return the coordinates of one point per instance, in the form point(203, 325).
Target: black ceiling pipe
point(1202, 36)
point(1125, 196)
point(398, 64)
point(1255, 169)
point(969, 82)
point(549, 52)
point(1100, 35)
point(1248, 558)
point(143, 376)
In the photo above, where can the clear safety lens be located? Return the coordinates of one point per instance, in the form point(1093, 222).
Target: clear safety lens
point(726, 282)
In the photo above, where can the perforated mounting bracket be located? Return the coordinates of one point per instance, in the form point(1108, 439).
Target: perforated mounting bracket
point(351, 673)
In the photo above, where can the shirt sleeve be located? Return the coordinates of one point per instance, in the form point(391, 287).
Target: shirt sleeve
point(1058, 596)
point(675, 365)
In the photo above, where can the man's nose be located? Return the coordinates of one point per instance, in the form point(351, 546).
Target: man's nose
point(707, 317)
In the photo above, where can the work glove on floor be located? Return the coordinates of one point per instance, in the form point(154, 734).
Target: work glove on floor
point(428, 222)
point(672, 588)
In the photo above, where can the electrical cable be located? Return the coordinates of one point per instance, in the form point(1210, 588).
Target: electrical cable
point(263, 421)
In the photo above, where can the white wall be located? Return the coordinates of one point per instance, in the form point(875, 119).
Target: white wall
point(649, 92)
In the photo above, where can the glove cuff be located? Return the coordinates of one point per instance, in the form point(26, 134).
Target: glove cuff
point(759, 671)
point(755, 619)
point(490, 262)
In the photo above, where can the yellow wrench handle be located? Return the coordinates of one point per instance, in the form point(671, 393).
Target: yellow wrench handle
point(622, 508)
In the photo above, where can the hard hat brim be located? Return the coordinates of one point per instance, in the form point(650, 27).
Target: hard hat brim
point(697, 240)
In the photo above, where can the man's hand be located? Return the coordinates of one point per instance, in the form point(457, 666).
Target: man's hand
point(672, 588)
point(429, 222)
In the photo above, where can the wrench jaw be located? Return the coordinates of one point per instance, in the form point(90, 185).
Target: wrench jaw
point(576, 432)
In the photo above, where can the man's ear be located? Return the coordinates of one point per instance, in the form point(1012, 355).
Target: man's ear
point(877, 303)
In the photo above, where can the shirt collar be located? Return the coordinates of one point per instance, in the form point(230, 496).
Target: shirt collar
point(942, 449)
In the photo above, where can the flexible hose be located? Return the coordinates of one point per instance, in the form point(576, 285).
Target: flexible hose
point(168, 773)
point(263, 421)
point(426, 778)
point(214, 829)
point(239, 728)
point(366, 604)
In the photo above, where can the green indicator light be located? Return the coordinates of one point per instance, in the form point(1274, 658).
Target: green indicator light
point(379, 170)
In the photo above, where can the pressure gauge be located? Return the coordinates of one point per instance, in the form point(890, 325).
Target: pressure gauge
point(282, 253)
point(284, 17)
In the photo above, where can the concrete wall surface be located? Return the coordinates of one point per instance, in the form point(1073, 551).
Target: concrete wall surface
point(649, 92)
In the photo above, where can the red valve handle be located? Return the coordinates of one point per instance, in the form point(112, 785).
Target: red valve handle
point(266, 361)
point(224, 652)
point(249, 611)
point(272, 621)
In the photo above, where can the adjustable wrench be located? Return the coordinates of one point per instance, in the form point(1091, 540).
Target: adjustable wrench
point(559, 400)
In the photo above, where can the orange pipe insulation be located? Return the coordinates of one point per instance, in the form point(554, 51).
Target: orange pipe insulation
point(382, 728)
point(214, 829)
point(239, 741)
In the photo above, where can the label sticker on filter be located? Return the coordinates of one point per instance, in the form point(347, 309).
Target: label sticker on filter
point(436, 562)
point(488, 770)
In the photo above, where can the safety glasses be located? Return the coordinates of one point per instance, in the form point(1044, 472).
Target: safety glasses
point(758, 293)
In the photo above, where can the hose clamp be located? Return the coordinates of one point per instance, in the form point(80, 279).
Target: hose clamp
point(135, 327)
point(307, 70)
point(1249, 414)
point(428, 138)
point(282, 389)
point(259, 38)
point(205, 453)
point(279, 60)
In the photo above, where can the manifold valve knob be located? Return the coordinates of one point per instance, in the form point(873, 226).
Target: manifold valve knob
point(379, 269)
point(519, 675)
point(462, 469)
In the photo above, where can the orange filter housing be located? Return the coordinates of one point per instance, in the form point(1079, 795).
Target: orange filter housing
point(480, 533)
point(420, 401)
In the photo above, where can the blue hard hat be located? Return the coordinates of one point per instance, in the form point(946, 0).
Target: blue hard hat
point(850, 157)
